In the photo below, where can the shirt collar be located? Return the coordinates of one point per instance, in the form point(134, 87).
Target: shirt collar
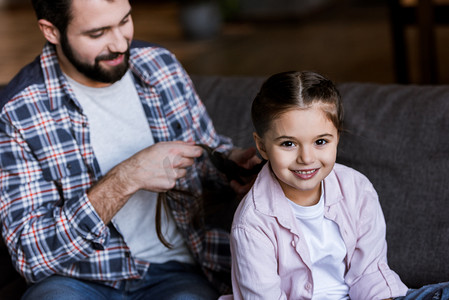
point(269, 198)
point(56, 83)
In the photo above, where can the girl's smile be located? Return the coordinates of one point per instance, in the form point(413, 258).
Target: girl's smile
point(301, 147)
point(305, 174)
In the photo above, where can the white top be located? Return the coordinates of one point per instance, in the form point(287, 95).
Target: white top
point(327, 251)
point(118, 129)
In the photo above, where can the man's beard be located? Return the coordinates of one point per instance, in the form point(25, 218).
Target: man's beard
point(96, 72)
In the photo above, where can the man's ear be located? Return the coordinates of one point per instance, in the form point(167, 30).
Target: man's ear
point(260, 146)
point(50, 32)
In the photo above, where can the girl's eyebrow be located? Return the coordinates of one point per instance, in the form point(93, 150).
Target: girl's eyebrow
point(286, 137)
point(325, 135)
point(90, 31)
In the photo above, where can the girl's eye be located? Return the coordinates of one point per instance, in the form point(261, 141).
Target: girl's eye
point(321, 142)
point(287, 144)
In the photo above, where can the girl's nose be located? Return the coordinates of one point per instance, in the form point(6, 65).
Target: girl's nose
point(305, 156)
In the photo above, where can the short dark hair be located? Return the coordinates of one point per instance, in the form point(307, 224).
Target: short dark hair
point(57, 12)
point(295, 90)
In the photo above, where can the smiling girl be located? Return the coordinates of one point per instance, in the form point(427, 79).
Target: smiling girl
point(309, 227)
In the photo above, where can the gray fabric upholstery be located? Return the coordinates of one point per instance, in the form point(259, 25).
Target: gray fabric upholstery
point(397, 136)
point(228, 101)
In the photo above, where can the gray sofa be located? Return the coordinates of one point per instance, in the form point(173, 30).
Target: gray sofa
point(396, 135)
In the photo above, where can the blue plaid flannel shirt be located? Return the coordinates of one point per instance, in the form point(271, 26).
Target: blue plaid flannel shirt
point(47, 164)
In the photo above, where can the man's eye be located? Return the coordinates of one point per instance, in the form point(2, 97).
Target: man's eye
point(321, 142)
point(96, 35)
point(123, 22)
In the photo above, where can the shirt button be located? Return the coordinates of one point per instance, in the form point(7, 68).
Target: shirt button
point(308, 286)
point(293, 244)
point(69, 166)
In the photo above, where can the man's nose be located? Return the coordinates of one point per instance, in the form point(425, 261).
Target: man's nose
point(119, 42)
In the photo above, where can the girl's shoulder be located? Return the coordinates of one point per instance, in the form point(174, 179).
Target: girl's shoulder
point(246, 211)
point(345, 180)
point(345, 173)
point(349, 185)
point(264, 201)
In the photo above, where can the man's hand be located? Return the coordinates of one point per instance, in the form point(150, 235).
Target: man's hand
point(155, 169)
point(247, 159)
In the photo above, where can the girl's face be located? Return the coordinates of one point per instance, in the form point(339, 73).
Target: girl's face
point(301, 147)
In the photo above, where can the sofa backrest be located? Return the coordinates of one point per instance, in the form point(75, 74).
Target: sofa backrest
point(398, 136)
point(228, 101)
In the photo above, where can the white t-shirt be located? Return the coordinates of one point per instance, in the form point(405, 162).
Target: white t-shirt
point(327, 251)
point(118, 129)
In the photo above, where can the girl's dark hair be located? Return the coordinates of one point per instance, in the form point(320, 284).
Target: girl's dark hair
point(57, 12)
point(295, 90)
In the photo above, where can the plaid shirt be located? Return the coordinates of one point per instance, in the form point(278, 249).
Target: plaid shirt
point(47, 164)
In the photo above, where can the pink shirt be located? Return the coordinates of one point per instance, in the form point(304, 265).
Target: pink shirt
point(270, 255)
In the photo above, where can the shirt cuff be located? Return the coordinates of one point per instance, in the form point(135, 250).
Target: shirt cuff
point(85, 221)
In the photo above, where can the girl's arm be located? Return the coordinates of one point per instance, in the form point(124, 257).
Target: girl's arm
point(369, 276)
point(254, 266)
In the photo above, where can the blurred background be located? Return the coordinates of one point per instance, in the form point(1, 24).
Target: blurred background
point(382, 41)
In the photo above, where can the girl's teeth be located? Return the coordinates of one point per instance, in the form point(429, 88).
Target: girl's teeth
point(305, 172)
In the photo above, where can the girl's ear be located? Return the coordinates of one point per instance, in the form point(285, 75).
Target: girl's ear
point(260, 146)
point(50, 32)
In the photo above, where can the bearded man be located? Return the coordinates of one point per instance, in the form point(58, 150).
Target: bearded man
point(91, 133)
